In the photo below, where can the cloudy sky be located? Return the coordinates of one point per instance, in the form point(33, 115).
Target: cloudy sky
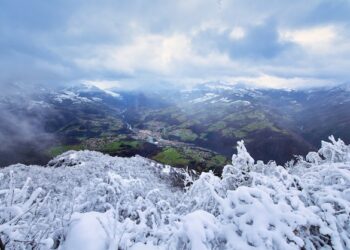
point(122, 43)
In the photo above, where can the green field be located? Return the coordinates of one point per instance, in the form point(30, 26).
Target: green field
point(184, 135)
point(57, 150)
point(172, 157)
point(194, 159)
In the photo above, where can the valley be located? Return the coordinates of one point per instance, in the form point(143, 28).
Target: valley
point(196, 128)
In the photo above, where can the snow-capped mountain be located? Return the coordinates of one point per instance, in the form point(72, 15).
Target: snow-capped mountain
point(84, 93)
point(41, 97)
point(275, 123)
point(87, 200)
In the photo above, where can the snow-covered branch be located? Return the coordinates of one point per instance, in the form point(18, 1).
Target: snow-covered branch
point(87, 200)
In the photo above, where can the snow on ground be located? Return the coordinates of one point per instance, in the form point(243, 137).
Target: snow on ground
point(86, 232)
point(71, 96)
point(113, 94)
point(87, 200)
point(241, 102)
point(206, 97)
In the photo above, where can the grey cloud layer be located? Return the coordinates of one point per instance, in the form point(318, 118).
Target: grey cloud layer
point(51, 42)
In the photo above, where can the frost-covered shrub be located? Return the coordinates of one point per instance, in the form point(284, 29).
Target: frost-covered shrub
point(334, 151)
point(87, 200)
point(24, 215)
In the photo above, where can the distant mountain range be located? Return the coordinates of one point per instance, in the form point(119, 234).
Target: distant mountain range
point(196, 127)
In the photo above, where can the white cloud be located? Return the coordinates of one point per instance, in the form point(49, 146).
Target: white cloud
point(178, 41)
point(103, 84)
point(271, 81)
point(167, 55)
point(318, 39)
point(148, 52)
point(237, 33)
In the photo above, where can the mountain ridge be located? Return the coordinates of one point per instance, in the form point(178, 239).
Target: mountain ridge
point(274, 123)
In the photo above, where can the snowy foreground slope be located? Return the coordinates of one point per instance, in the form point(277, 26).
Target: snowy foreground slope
point(87, 200)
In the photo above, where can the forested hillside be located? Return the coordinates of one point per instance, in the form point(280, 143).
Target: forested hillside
point(196, 127)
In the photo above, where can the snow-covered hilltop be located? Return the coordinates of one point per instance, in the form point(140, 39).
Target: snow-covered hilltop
point(87, 200)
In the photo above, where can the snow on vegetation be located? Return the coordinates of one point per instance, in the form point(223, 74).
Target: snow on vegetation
point(206, 97)
point(71, 96)
point(87, 200)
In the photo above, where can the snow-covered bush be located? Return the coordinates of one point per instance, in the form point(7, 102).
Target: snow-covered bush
point(25, 215)
point(87, 200)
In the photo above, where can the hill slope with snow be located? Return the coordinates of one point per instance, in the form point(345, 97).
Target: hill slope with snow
point(87, 200)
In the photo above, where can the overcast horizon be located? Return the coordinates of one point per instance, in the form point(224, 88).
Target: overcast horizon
point(278, 44)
